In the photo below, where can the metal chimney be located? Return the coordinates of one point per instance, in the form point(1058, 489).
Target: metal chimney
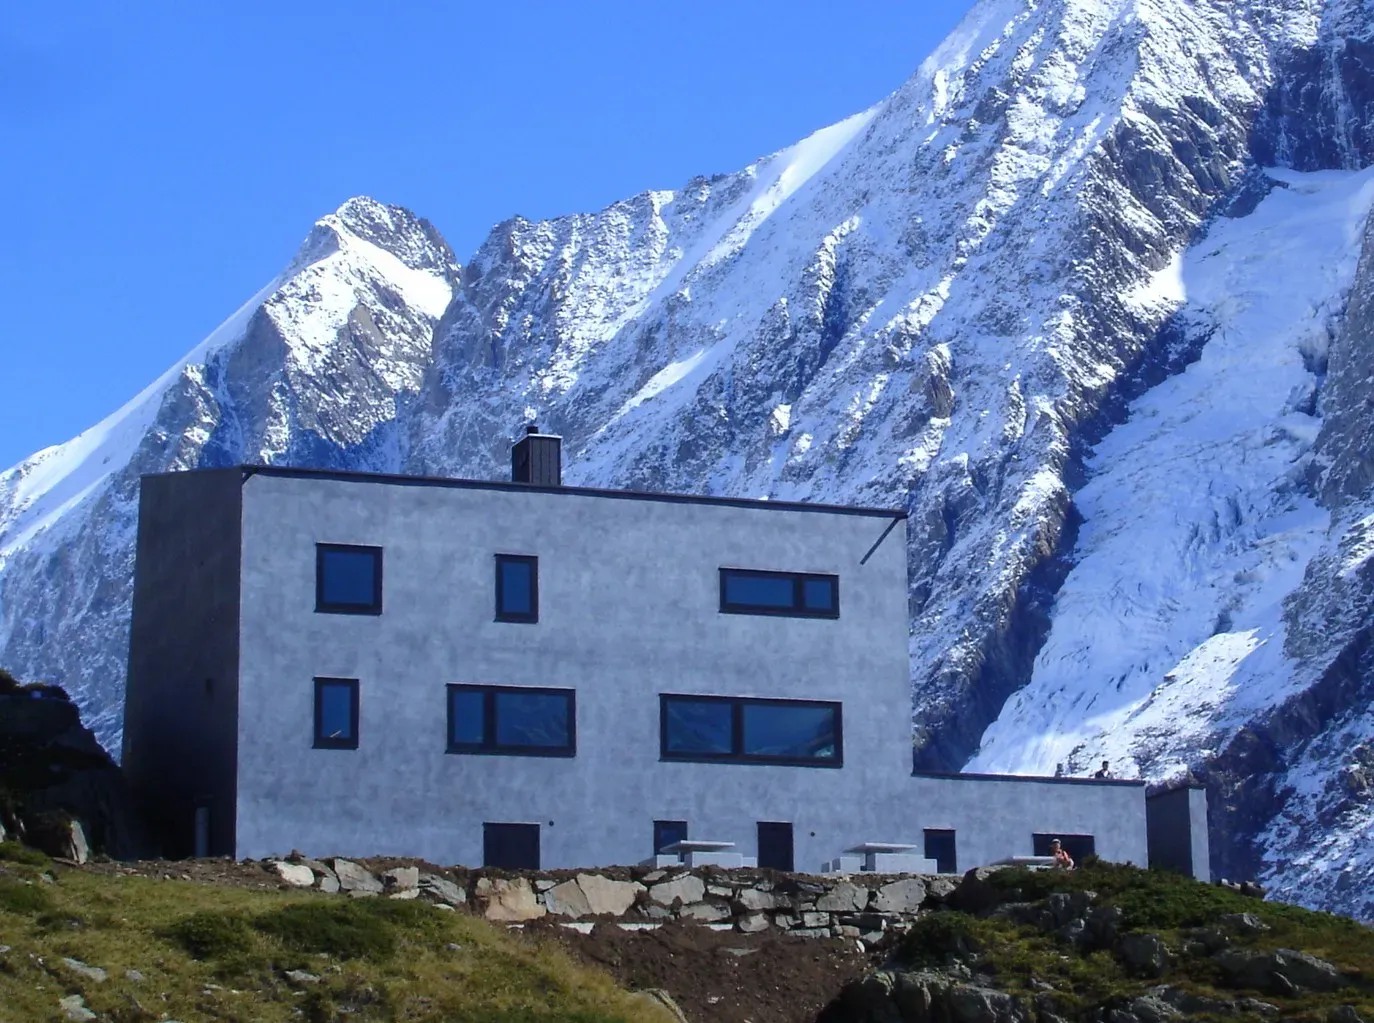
point(537, 458)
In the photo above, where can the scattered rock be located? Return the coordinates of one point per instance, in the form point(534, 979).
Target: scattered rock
point(297, 874)
point(443, 889)
point(749, 923)
point(94, 973)
point(452, 946)
point(1066, 906)
point(404, 893)
point(752, 900)
point(299, 978)
point(687, 888)
point(606, 896)
point(354, 877)
point(661, 999)
point(329, 883)
point(941, 888)
point(567, 899)
point(1243, 923)
point(134, 976)
point(904, 896)
point(401, 878)
point(543, 884)
point(976, 894)
point(706, 912)
point(1344, 1014)
point(509, 901)
point(1144, 953)
point(843, 898)
point(74, 1008)
point(1279, 971)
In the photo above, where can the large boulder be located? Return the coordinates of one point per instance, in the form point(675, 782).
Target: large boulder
point(1281, 971)
point(508, 901)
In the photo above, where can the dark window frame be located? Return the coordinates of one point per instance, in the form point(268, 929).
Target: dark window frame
point(489, 746)
point(528, 618)
point(323, 606)
point(323, 741)
point(736, 754)
point(798, 608)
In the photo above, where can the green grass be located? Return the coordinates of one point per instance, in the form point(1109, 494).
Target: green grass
point(13, 852)
point(210, 953)
point(1022, 958)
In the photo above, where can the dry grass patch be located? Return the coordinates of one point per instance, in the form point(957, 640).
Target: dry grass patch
point(226, 954)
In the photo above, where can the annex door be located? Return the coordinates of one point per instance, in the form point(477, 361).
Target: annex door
point(775, 845)
point(510, 846)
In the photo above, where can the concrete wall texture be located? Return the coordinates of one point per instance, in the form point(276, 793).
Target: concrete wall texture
point(181, 702)
point(1176, 823)
point(628, 609)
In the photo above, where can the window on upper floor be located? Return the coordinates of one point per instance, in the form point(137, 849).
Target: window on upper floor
point(516, 720)
point(740, 730)
point(348, 579)
point(791, 594)
point(336, 713)
point(517, 588)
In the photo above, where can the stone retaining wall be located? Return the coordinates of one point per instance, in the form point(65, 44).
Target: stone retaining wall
point(861, 906)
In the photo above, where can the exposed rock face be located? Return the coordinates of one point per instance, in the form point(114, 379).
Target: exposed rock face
point(950, 302)
point(59, 790)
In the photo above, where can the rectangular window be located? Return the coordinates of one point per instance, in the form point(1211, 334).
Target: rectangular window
point(515, 720)
point(794, 594)
point(940, 848)
point(1080, 847)
point(510, 846)
point(348, 579)
point(668, 832)
point(517, 588)
point(741, 730)
point(336, 713)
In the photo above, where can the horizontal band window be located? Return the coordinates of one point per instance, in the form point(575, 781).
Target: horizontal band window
point(722, 729)
point(792, 594)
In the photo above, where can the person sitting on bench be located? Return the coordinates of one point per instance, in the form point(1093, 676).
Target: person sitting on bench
point(1062, 859)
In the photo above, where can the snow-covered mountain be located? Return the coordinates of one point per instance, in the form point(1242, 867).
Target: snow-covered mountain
point(1092, 295)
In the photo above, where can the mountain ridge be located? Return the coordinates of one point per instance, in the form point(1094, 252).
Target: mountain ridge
point(953, 302)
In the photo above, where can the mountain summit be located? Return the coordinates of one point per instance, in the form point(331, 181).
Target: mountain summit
point(1086, 295)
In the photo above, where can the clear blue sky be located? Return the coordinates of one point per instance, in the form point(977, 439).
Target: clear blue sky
point(160, 162)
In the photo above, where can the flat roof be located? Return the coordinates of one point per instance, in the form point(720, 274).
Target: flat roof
point(346, 476)
point(1042, 779)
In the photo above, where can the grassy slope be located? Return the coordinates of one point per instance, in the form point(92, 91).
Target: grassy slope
point(1023, 958)
point(209, 953)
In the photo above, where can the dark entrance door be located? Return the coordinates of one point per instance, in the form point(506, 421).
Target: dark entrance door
point(775, 845)
point(510, 846)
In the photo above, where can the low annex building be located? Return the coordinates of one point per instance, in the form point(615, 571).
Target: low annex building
point(523, 674)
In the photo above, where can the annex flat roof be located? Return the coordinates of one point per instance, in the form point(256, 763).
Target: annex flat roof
point(394, 479)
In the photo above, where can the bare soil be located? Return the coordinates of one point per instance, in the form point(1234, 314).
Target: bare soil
point(724, 976)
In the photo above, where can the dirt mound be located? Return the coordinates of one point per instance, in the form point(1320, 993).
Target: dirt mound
point(723, 976)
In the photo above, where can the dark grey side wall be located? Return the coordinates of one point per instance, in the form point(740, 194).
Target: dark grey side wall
point(1176, 830)
point(181, 704)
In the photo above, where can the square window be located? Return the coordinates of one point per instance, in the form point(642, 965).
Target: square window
point(348, 579)
point(818, 593)
point(336, 713)
point(515, 720)
point(517, 588)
